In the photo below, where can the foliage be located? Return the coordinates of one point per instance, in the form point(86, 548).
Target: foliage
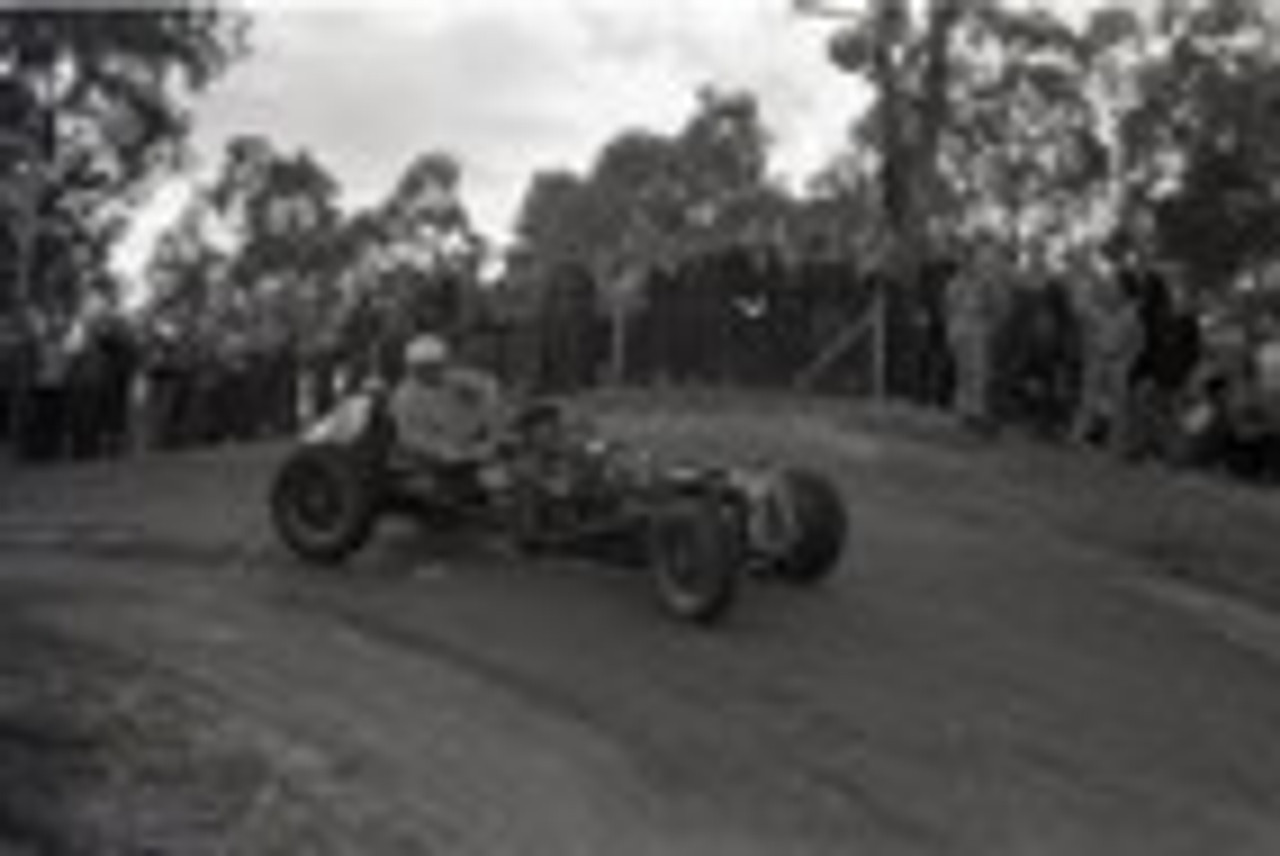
point(266, 252)
point(187, 270)
point(258, 241)
point(416, 255)
point(906, 57)
point(1001, 117)
point(651, 200)
point(94, 104)
point(284, 207)
point(1024, 154)
point(1208, 118)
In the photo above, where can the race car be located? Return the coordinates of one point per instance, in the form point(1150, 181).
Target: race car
point(555, 485)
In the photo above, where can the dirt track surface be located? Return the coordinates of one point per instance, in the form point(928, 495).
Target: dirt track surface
point(1025, 653)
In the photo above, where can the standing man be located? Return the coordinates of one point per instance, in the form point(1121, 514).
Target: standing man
point(45, 431)
point(970, 318)
point(1112, 340)
point(1169, 354)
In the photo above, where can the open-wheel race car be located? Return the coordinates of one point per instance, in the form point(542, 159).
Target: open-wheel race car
point(554, 486)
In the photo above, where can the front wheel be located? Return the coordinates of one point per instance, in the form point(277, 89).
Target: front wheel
point(693, 554)
point(324, 503)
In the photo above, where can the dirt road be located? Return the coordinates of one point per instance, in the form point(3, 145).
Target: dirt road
point(1012, 661)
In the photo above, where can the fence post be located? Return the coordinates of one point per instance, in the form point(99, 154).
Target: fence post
point(880, 342)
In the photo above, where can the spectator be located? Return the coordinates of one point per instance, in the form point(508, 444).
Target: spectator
point(1112, 340)
point(120, 356)
point(1231, 428)
point(1039, 353)
point(971, 311)
point(1268, 362)
point(165, 382)
point(99, 379)
point(84, 386)
point(920, 365)
point(44, 434)
point(11, 372)
point(1170, 352)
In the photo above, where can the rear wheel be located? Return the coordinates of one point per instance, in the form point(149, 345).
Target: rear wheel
point(324, 503)
point(817, 526)
point(693, 555)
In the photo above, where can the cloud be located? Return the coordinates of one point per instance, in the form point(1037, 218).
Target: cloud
point(759, 45)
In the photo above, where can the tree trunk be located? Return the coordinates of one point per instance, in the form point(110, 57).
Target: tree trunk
point(912, 140)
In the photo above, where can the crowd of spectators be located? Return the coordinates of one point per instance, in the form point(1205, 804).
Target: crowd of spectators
point(101, 385)
point(1118, 353)
point(102, 382)
point(69, 385)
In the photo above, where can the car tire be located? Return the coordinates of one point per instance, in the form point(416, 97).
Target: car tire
point(818, 525)
point(324, 503)
point(693, 556)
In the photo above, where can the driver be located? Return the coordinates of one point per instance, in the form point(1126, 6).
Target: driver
point(445, 412)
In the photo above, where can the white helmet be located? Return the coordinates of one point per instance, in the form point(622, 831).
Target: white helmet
point(426, 350)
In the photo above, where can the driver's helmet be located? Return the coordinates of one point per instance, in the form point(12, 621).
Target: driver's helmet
point(425, 351)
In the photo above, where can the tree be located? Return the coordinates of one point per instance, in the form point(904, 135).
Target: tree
point(187, 271)
point(281, 207)
point(650, 199)
point(415, 259)
point(653, 201)
point(555, 219)
point(262, 234)
point(100, 101)
point(1206, 127)
point(1024, 156)
point(1003, 114)
point(839, 215)
point(905, 55)
point(907, 61)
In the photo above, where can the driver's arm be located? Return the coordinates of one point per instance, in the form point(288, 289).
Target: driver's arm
point(480, 394)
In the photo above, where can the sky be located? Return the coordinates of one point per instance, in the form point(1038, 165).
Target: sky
point(508, 86)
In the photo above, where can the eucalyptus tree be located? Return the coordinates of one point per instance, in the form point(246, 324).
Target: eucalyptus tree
point(96, 105)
